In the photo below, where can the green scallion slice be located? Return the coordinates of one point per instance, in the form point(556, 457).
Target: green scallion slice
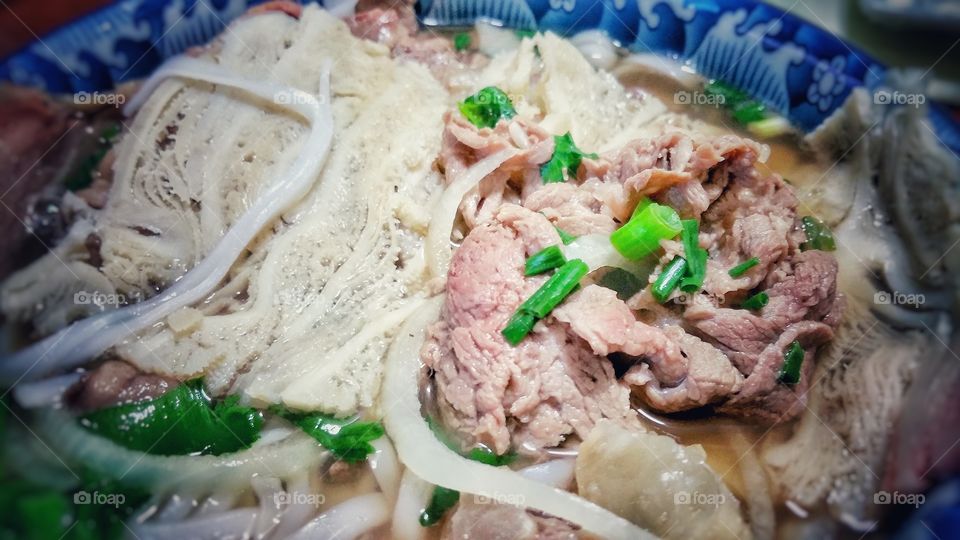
point(792, 360)
point(742, 268)
point(520, 324)
point(565, 237)
point(641, 235)
point(461, 41)
point(756, 302)
point(695, 255)
point(555, 289)
point(668, 279)
point(818, 235)
point(544, 260)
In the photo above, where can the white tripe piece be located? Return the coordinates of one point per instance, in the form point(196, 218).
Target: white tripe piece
point(571, 94)
point(305, 318)
point(93, 335)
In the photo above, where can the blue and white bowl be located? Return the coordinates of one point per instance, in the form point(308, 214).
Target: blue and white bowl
point(794, 67)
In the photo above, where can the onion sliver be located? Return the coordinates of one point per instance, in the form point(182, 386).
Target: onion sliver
point(386, 469)
point(347, 520)
point(284, 459)
point(89, 337)
point(437, 244)
point(45, 393)
point(428, 458)
point(413, 499)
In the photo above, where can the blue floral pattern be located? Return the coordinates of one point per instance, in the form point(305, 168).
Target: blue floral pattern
point(827, 83)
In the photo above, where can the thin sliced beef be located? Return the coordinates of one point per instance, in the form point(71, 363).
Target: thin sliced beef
point(766, 399)
point(675, 371)
point(529, 396)
point(115, 382)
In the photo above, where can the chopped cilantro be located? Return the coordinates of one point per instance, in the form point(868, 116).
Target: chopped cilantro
point(487, 107)
point(565, 160)
point(347, 439)
point(183, 421)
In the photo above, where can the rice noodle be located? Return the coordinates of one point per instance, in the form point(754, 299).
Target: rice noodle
point(298, 509)
point(347, 520)
point(428, 458)
point(232, 524)
point(284, 459)
point(268, 490)
point(756, 489)
point(91, 336)
point(412, 499)
point(437, 244)
point(386, 468)
point(45, 393)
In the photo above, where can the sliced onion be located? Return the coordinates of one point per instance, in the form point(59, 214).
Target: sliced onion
point(429, 459)
point(413, 498)
point(557, 473)
point(386, 469)
point(597, 252)
point(89, 337)
point(268, 490)
point(284, 459)
point(437, 244)
point(347, 520)
point(299, 509)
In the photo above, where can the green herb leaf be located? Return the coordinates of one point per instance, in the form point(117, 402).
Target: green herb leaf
point(489, 457)
point(82, 176)
point(183, 421)
point(792, 360)
point(544, 260)
point(565, 160)
point(744, 109)
point(461, 41)
point(742, 268)
point(485, 108)
point(756, 302)
point(818, 235)
point(347, 439)
point(443, 499)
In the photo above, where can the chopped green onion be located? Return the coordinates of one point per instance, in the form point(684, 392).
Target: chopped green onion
point(668, 279)
point(555, 289)
point(818, 235)
point(544, 260)
point(792, 360)
point(625, 283)
point(565, 237)
point(749, 112)
point(641, 206)
point(487, 107)
point(756, 301)
point(641, 235)
point(744, 109)
point(461, 41)
point(770, 127)
point(525, 33)
point(742, 268)
point(487, 456)
point(443, 499)
point(695, 255)
point(565, 160)
point(520, 324)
